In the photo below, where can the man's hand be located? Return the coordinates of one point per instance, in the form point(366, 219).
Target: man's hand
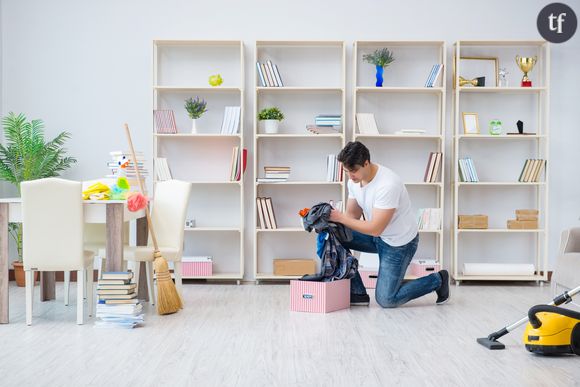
point(336, 216)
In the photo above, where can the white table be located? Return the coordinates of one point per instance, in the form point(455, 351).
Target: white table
point(113, 213)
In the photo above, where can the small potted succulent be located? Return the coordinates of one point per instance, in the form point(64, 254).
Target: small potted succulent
point(195, 108)
point(381, 58)
point(271, 118)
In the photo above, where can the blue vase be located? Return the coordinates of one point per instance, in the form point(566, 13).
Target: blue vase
point(380, 70)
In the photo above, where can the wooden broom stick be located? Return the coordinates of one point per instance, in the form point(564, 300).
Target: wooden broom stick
point(168, 299)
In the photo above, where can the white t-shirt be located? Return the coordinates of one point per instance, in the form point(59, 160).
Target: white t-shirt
point(386, 190)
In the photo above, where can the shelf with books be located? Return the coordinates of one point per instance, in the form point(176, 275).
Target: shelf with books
point(511, 168)
point(307, 84)
point(209, 155)
point(412, 97)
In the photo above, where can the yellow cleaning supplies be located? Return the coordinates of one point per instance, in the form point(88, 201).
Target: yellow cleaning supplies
point(97, 191)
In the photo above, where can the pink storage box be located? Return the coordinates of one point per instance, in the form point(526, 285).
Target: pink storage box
point(369, 278)
point(319, 297)
point(421, 268)
point(196, 267)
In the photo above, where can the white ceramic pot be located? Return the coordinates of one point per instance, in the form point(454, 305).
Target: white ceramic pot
point(271, 126)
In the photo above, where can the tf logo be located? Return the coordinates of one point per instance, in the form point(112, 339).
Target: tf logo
point(557, 22)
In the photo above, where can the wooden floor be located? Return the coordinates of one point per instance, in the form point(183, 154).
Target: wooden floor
point(232, 335)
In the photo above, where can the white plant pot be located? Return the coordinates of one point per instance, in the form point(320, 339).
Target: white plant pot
point(193, 126)
point(271, 126)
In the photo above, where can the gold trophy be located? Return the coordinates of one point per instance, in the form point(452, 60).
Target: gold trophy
point(526, 64)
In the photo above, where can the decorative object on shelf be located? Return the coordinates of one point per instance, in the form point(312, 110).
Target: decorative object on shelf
point(478, 82)
point(502, 77)
point(164, 121)
point(195, 108)
point(526, 64)
point(495, 127)
point(470, 123)
point(215, 80)
point(381, 58)
point(472, 222)
point(190, 223)
point(26, 155)
point(473, 68)
point(271, 117)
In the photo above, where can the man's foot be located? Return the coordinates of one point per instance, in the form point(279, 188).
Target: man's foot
point(360, 299)
point(443, 291)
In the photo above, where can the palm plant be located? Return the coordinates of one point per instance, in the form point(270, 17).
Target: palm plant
point(26, 156)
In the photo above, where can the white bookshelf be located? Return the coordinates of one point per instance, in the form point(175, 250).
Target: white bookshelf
point(499, 161)
point(404, 103)
point(181, 69)
point(313, 73)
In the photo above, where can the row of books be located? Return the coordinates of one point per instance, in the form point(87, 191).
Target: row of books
point(334, 170)
point(231, 120)
point(433, 167)
point(366, 123)
point(532, 171)
point(266, 217)
point(118, 305)
point(429, 219)
point(238, 164)
point(275, 174)
point(269, 74)
point(436, 71)
point(467, 172)
point(165, 121)
point(334, 120)
point(162, 168)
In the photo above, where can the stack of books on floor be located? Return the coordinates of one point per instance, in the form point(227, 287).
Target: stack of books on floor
point(333, 169)
point(118, 305)
point(121, 165)
point(467, 172)
point(275, 175)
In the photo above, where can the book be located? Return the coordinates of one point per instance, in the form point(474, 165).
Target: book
point(114, 291)
point(271, 214)
point(113, 282)
point(115, 302)
point(101, 286)
point(278, 77)
point(436, 168)
point(271, 71)
point(269, 82)
point(117, 275)
point(164, 121)
point(261, 217)
point(267, 220)
point(428, 168)
point(260, 74)
point(430, 75)
point(366, 123)
point(117, 296)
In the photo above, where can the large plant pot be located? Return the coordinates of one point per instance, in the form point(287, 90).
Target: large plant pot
point(271, 126)
point(19, 273)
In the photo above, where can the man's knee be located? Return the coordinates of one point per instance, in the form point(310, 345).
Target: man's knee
point(386, 301)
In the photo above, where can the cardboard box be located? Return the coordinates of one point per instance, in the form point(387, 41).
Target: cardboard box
point(527, 214)
point(319, 297)
point(514, 224)
point(294, 266)
point(196, 266)
point(369, 278)
point(424, 267)
point(473, 221)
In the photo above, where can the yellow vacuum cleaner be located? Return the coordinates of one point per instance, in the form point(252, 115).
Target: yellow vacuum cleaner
point(551, 330)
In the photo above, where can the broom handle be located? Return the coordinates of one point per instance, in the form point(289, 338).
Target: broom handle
point(151, 229)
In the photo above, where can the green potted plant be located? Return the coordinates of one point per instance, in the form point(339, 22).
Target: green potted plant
point(26, 156)
point(195, 108)
point(271, 118)
point(381, 58)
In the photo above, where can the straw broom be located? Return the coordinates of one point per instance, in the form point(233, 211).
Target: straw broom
point(168, 299)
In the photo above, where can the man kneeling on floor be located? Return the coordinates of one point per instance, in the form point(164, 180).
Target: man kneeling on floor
point(389, 229)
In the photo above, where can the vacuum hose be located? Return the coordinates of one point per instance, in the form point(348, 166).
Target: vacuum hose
point(535, 321)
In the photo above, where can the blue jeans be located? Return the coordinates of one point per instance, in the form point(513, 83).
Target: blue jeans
point(390, 291)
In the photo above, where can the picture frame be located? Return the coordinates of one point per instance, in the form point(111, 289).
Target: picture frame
point(470, 123)
point(471, 67)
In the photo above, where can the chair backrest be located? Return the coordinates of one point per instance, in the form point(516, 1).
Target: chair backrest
point(52, 222)
point(169, 210)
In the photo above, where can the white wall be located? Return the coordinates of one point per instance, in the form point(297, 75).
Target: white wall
point(86, 67)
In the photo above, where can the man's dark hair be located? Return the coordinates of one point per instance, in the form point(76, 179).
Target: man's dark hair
point(353, 154)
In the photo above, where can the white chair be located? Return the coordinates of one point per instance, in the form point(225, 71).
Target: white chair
point(168, 214)
point(566, 273)
point(52, 221)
